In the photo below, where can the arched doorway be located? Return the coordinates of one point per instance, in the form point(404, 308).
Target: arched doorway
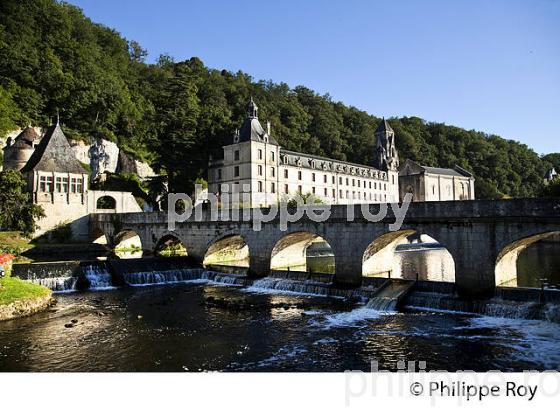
point(170, 245)
point(128, 245)
point(106, 202)
point(530, 262)
point(230, 250)
point(303, 252)
point(407, 254)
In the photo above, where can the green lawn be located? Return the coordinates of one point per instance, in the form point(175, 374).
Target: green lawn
point(12, 289)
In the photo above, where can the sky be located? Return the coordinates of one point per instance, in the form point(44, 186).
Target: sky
point(493, 66)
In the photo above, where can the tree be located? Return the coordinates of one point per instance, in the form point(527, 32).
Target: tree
point(17, 213)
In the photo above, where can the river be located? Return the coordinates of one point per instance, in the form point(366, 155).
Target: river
point(170, 328)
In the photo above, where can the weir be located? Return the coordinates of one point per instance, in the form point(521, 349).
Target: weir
point(377, 293)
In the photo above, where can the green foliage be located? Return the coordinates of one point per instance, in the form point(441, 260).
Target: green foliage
point(552, 189)
point(17, 213)
point(61, 233)
point(176, 115)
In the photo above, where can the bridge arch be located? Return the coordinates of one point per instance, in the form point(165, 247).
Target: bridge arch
point(408, 254)
point(302, 251)
point(506, 270)
point(170, 245)
point(128, 244)
point(97, 235)
point(229, 249)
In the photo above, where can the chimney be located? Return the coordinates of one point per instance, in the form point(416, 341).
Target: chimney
point(268, 127)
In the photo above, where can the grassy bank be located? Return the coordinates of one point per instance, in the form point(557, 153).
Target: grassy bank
point(14, 289)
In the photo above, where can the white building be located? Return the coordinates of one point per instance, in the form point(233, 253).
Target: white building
point(435, 184)
point(256, 165)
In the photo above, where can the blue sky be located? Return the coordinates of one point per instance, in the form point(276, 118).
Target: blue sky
point(492, 66)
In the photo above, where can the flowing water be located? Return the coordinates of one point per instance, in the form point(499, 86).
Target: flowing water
point(261, 328)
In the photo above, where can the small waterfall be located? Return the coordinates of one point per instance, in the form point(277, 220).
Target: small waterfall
point(58, 284)
point(382, 304)
point(496, 307)
point(161, 277)
point(98, 276)
point(388, 295)
point(172, 276)
point(287, 285)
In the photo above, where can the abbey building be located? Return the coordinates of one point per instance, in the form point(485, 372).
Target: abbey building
point(255, 164)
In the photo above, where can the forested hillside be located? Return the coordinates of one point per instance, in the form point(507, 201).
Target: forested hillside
point(175, 114)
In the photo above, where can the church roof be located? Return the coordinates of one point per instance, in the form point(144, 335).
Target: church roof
point(384, 126)
point(551, 174)
point(251, 129)
point(412, 168)
point(53, 154)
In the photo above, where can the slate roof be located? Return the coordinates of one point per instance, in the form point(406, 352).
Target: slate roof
point(28, 135)
point(383, 126)
point(456, 171)
point(53, 154)
point(251, 129)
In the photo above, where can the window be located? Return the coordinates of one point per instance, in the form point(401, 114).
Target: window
point(365, 197)
point(272, 172)
point(299, 189)
point(272, 156)
point(73, 185)
point(347, 183)
point(313, 190)
point(393, 180)
point(334, 193)
point(236, 171)
point(299, 175)
point(43, 184)
point(313, 176)
point(260, 186)
point(260, 169)
point(353, 182)
point(326, 192)
point(347, 192)
point(273, 187)
point(236, 155)
point(325, 179)
point(340, 194)
point(385, 187)
point(65, 184)
point(286, 173)
point(333, 180)
point(369, 184)
point(260, 154)
point(375, 185)
point(220, 173)
point(359, 183)
point(339, 180)
point(58, 184)
point(433, 189)
point(286, 190)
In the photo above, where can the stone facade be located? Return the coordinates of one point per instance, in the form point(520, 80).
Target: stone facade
point(57, 181)
point(435, 184)
point(479, 235)
point(255, 164)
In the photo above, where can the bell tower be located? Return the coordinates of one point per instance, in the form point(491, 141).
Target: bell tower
point(386, 156)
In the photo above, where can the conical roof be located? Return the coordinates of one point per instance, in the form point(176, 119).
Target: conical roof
point(54, 154)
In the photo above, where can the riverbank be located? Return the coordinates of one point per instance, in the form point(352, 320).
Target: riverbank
point(19, 298)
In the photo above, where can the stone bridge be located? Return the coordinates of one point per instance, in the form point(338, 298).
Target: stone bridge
point(483, 237)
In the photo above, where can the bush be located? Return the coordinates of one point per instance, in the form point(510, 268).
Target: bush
point(61, 233)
